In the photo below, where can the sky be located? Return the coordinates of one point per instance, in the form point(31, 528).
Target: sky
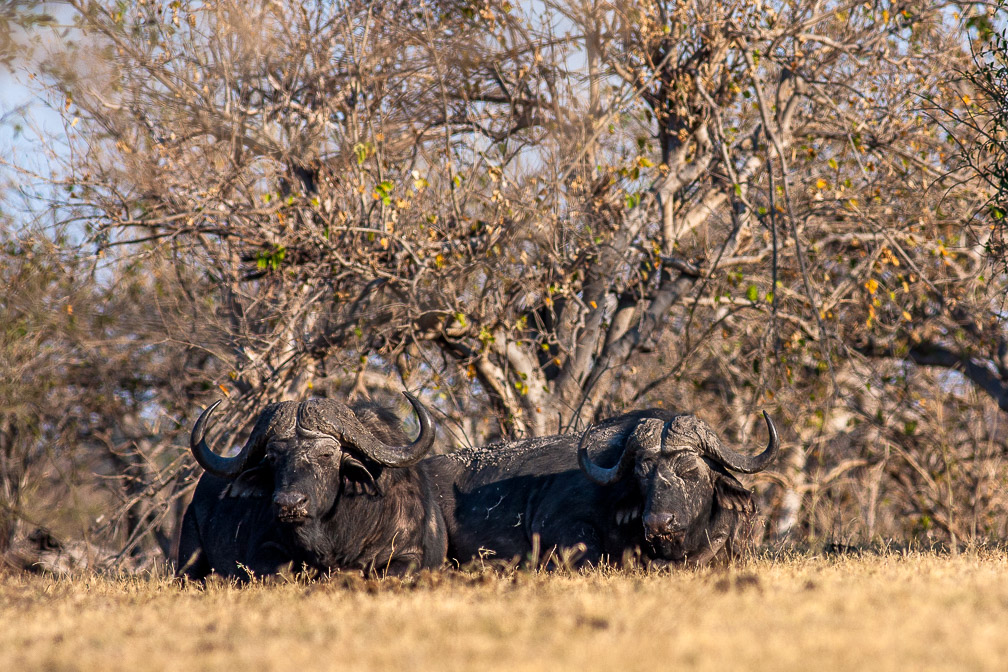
point(29, 129)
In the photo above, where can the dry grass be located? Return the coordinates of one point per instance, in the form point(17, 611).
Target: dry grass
point(889, 612)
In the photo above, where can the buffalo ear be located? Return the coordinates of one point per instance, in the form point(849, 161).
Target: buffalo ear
point(730, 494)
point(357, 478)
point(254, 482)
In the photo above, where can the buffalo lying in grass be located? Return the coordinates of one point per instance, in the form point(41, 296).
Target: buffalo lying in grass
point(675, 473)
point(317, 484)
point(668, 493)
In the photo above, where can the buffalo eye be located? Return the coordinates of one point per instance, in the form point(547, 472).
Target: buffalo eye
point(327, 453)
point(646, 465)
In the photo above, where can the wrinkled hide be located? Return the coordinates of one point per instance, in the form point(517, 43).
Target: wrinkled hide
point(316, 485)
point(529, 500)
point(525, 500)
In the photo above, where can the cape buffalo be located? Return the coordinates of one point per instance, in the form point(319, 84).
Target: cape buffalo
point(317, 484)
point(679, 492)
point(679, 503)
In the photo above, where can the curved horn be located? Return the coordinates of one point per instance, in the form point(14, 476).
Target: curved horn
point(400, 456)
point(746, 464)
point(226, 467)
point(602, 475)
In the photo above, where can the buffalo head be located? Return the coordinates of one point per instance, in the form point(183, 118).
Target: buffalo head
point(307, 454)
point(681, 470)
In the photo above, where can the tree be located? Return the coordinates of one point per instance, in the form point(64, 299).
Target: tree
point(981, 126)
point(545, 214)
point(82, 436)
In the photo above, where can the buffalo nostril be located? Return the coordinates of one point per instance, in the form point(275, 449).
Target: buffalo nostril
point(290, 499)
point(657, 523)
point(291, 504)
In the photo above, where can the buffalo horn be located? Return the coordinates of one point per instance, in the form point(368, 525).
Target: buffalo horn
point(344, 425)
point(602, 475)
point(225, 467)
point(746, 464)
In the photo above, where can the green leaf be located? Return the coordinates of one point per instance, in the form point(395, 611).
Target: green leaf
point(752, 293)
point(384, 191)
point(271, 260)
point(362, 150)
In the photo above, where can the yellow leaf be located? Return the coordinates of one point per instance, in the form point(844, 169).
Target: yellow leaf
point(593, 304)
point(871, 285)
point(224, 390)
point(821, 183)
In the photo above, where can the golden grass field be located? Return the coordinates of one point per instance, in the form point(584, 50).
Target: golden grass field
point(894, 611)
